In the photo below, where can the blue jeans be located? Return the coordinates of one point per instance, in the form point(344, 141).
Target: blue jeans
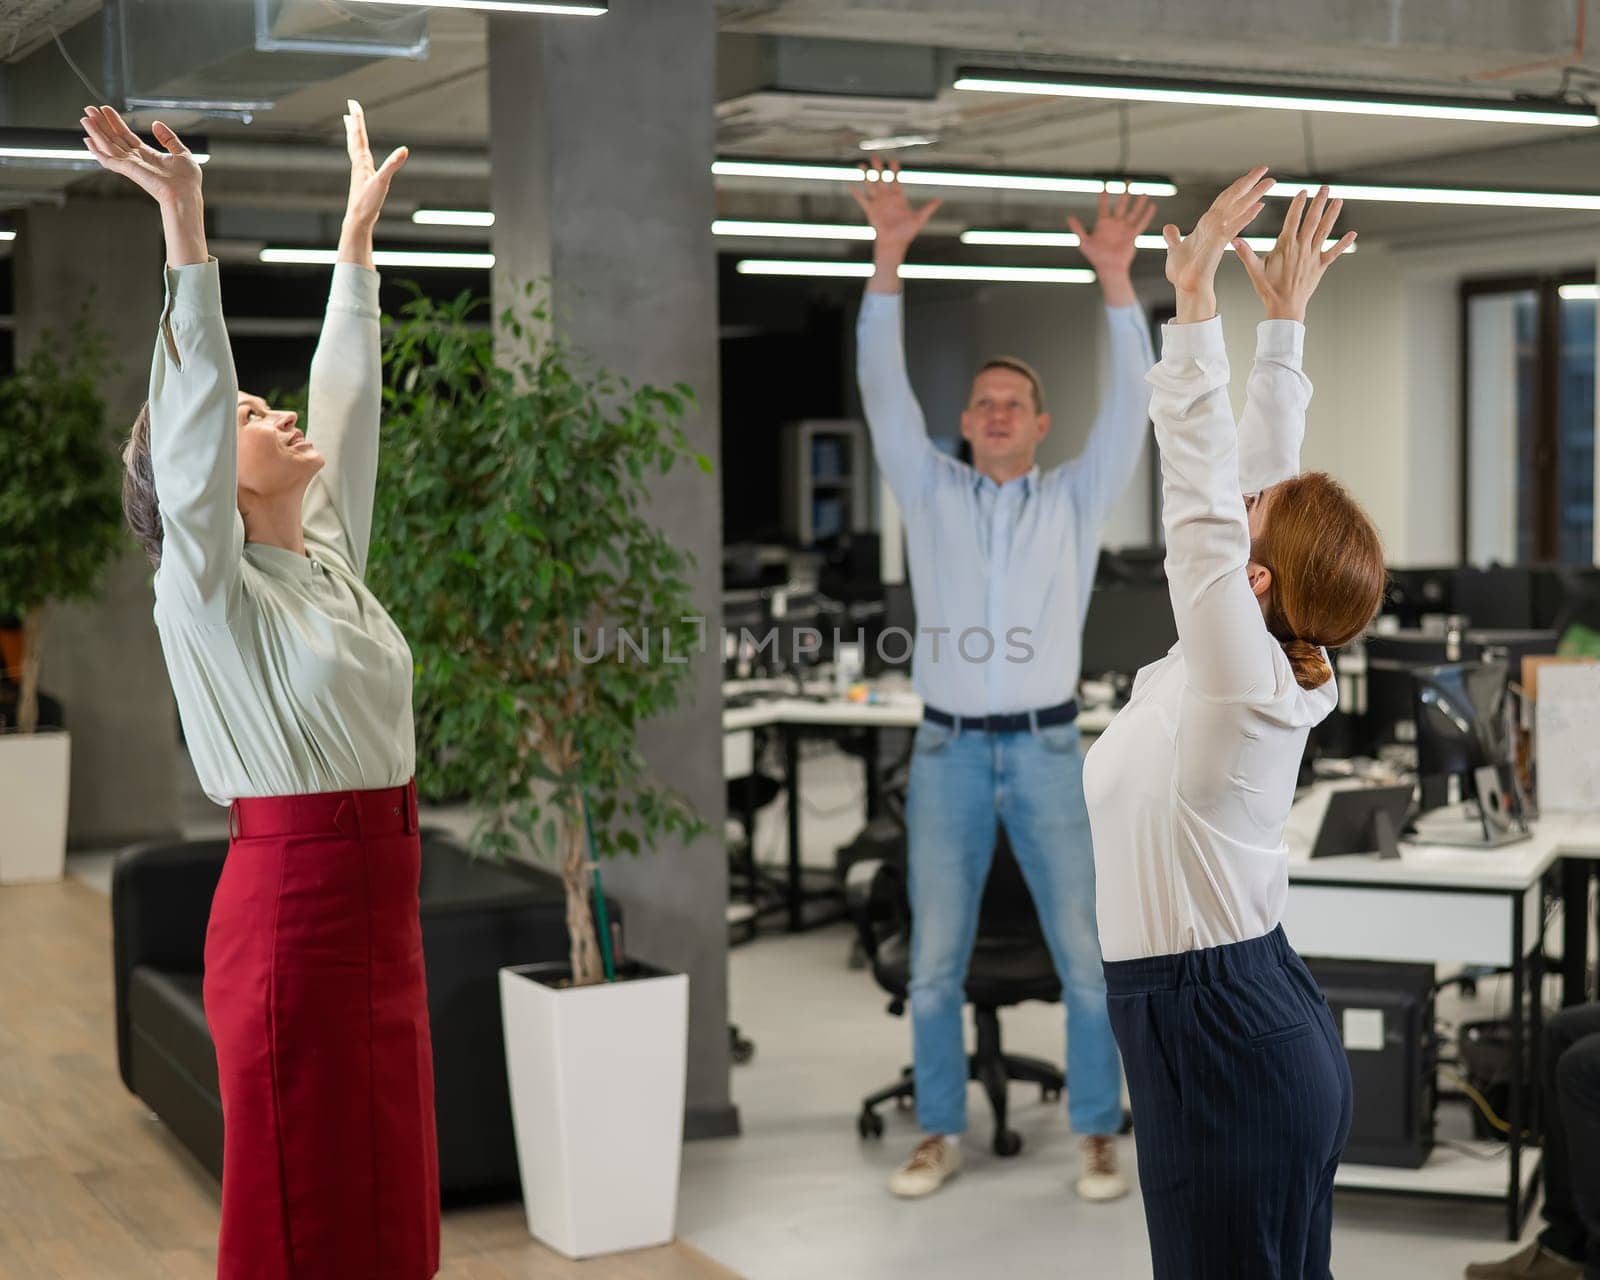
point(962, 784)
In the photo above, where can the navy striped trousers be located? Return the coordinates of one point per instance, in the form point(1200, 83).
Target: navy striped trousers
point(1241, 1107)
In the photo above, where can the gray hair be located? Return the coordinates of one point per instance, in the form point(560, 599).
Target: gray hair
point(139, 505)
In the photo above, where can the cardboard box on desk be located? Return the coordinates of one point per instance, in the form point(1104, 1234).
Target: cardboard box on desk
point(1533, 663)
point(1567, 735)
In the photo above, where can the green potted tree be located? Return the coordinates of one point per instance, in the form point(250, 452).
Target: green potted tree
point(549, 618)
point(60, 526)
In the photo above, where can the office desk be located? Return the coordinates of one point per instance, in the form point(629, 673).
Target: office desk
point(1456, 906)
point(816, 709)
point(797, 714)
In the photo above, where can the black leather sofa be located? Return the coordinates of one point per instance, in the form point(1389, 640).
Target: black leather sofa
point(477, 915)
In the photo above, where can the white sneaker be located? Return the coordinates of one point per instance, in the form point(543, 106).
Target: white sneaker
point(1099, 1179)
point(932, 1164)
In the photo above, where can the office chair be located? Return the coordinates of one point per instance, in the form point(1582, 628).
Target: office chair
point(747, 882)
point(1010, 964)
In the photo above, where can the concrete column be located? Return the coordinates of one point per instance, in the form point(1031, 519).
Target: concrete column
point(102, 657)
point(601, 143)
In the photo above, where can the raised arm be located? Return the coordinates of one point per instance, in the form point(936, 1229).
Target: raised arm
point(1099, 474)
point(346, 372)
point(1272, 426)
point(193, 388)
point(1227, 648)
point(899, 432)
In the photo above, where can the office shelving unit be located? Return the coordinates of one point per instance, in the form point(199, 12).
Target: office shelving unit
point(827, 476)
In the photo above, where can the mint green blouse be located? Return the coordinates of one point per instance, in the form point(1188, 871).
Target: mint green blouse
point(289, 675)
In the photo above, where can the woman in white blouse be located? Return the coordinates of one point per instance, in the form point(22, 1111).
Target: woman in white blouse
point(1239, 1084)
point(294, 687)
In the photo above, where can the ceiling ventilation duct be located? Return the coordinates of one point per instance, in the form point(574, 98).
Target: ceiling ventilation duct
point(237, 59)
point(233, 59)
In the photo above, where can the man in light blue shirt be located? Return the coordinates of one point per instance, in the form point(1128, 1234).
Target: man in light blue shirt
point(1002, 561)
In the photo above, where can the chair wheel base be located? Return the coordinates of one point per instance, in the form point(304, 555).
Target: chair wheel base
point(1008, 1142)
point(869, 1124)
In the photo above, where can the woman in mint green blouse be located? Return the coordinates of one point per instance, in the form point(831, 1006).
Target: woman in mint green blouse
point(294, 687)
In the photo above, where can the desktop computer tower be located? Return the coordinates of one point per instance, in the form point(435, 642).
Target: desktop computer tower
point(1384, 1014)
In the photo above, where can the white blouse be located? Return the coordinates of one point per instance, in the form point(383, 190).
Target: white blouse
point(1190, 787)
point(289, 675)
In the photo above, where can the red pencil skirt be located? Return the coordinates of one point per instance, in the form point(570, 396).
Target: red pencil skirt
point(316, 999)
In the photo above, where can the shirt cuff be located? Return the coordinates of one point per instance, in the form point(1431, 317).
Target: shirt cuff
point(193, 291)
point(1282, 340)
point(354, 288)
point(1201, 341)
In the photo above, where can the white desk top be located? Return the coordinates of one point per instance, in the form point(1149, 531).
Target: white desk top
point(1511, 868)
point(782, 703)
point(898, 707)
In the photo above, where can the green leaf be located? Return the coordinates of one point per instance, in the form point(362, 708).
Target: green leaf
point(513, 513)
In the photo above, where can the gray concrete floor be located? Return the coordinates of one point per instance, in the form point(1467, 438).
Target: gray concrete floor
point(799, 1195)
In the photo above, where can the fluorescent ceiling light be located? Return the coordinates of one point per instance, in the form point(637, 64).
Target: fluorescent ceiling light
point(382, 258)
point(947, 178)
point(590, 10)
point(61, 147)
point(1445, 195)
point(454, 217)
point(897, 142)
point(1276, 98)
point(792, 230)
point(1066, 240)
point(917, 271)
point(8, 235)
point(1580, 292)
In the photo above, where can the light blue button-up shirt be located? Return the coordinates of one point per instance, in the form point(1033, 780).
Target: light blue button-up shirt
point(1000, 574)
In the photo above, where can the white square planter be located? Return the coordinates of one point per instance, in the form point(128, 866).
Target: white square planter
point(597, 1097)
point(35, 772)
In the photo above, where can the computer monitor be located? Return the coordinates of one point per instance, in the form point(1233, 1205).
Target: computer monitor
point(1131, 565)
point(1500, 597)
point(1576, 598)
point(1129, 626)
point(744, 626)
point(891, 645)
point(1461, 723)
point(1412, 593)
point(1363, 820)
point(803, 633)
point(1391, 699)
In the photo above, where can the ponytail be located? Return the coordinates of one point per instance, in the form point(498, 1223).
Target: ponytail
point(1310, 668)
point(1327, 571)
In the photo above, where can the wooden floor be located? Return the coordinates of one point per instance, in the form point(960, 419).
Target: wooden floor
point(93, 1188)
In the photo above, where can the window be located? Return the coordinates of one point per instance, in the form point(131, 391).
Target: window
point(1528, 371)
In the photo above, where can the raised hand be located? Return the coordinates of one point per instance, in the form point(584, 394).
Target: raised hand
point(1192, 260)
point(1287, 277)
point(369, 186)
point(1111, 245)
point(891, 216)
point(166, 176)
point(170, 176)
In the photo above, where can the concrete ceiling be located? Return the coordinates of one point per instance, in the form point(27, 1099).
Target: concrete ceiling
point(26, 24)
point(811, 78)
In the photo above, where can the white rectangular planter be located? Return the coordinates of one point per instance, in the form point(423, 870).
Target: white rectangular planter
point(35, 772)
point(597, 1097)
